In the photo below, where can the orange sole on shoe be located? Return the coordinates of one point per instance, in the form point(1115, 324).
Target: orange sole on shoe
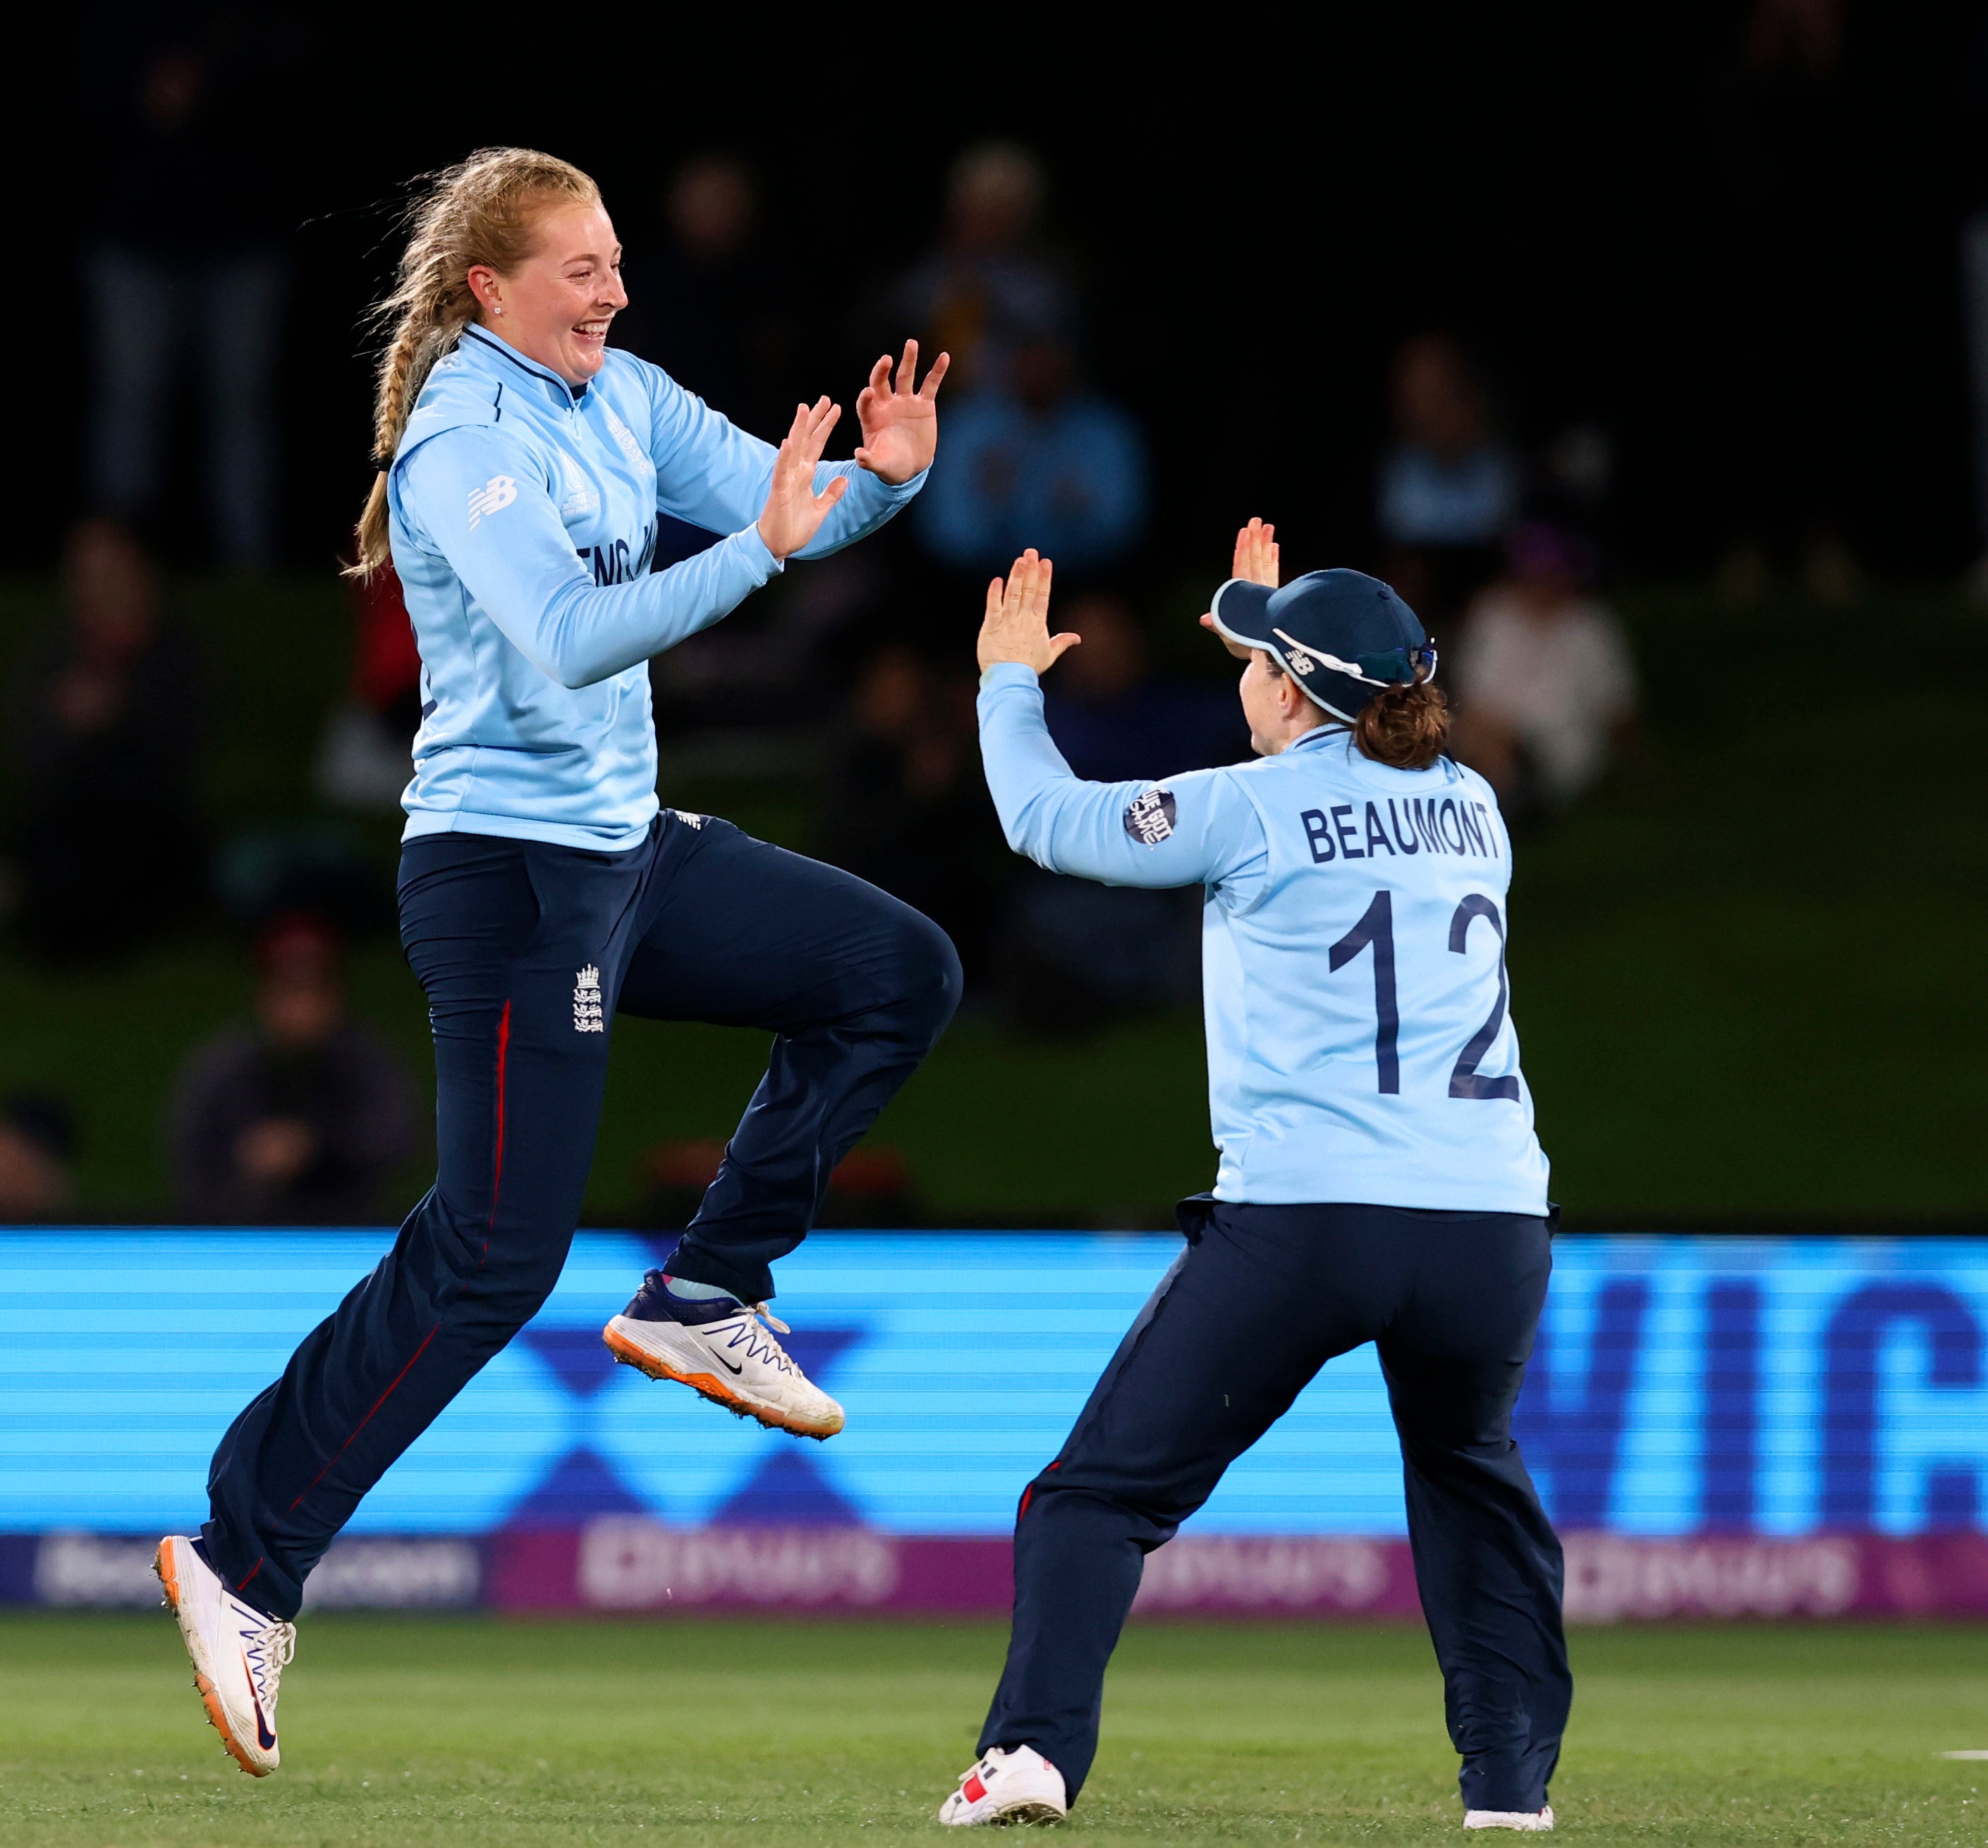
point(217, 1717)
point(706, 1386)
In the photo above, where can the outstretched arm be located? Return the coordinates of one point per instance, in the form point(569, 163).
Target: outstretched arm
point(1194, 829)
point(476, 497)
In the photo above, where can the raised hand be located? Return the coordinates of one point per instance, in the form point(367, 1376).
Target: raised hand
point(794, 512)
point(1255, 561)
point(1256, 555)
point(1016, 626)
point(900, 425)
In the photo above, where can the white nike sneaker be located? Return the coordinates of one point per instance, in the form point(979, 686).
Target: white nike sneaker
point(723, 1351)
point(1020, 1785)
point(1527, 1822)
point(238, 1652)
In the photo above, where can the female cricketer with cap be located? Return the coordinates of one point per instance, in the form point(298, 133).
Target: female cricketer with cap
point(523, 464)
point(1379, 1178)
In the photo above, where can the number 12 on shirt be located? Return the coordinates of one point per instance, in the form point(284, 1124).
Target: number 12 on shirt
point(1375, 930)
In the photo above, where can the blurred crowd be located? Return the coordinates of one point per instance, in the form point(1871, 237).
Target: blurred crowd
point(849, 682)
point(855, 678)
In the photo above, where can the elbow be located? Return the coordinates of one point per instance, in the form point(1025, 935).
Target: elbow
point(1026, 834)
point(573, 668)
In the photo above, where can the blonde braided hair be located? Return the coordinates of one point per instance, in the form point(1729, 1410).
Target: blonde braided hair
point(481, 211)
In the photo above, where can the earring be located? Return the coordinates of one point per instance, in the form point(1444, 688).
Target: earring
point(495, 308)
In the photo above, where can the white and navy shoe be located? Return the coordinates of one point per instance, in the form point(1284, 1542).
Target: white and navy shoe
point(724, 1350)
point(1527, 1822)
point(238, 1652)
point(1012, 1786)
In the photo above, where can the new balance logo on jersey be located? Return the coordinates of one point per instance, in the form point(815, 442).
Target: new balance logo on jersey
point(493, 497)
point(587, 1017)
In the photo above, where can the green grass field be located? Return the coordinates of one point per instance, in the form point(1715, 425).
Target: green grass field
point(479, 1731)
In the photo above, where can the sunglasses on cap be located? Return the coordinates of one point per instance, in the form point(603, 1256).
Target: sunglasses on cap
point(1391, 668)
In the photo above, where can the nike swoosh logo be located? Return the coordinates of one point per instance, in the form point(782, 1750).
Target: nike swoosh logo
point(264, 1737)
point(723, 1361)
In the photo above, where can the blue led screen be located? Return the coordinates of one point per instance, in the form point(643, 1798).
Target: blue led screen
point(1681, 1385)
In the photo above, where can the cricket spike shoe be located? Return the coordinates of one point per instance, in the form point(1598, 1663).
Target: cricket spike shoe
point(1527, 1822)
point(238, 1652)
point(1008, 1785)
point(724, 1350)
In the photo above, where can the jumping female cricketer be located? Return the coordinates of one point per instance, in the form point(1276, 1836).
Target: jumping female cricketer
point(1379, 1178)
point(524, 464)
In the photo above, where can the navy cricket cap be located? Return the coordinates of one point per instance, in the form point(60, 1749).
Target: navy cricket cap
point(1343, 636)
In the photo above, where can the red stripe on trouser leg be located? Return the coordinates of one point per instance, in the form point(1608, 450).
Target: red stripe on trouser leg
point(497, 1163)
point(496, 1180)
point(368, 1419)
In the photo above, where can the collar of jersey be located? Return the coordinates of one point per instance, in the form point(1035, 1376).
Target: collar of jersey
point(572, 395)
point(1317, 731)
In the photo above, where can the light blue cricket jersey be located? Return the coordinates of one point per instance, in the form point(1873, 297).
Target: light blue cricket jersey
point(523, 518)
point(1360, 1045)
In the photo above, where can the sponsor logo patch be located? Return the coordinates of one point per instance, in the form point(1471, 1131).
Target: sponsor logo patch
point(1149, 817)
point(493, 497)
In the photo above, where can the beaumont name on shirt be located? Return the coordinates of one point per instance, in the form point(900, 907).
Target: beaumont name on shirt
point(1411, 825)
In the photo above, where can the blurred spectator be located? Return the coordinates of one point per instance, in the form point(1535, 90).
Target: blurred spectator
point(1112, 719)
point(185, 261)
point(1048, 464)
point(1447, 489)
point(710, 301)
point(106, 728)
point(366, 759)
point(37, 1144)
point(1546, 685)
point(301, 1119)
point(988, 289)
point(907, 809)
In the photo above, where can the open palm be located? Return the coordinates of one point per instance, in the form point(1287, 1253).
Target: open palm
point(794, 512)
point(1016, 626)
point(900, 421)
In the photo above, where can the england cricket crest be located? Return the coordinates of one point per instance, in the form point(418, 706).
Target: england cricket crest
point(587, 1016)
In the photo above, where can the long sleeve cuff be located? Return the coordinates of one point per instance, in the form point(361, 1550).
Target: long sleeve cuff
point(753, 554)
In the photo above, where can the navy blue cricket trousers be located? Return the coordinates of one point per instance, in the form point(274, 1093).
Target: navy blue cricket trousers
point(1261, 1299)
point(527, 951)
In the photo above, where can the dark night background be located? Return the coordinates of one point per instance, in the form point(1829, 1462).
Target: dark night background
point(1724, 245)
point(1747, 280)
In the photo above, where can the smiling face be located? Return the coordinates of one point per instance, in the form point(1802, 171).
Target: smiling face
point(556, 306)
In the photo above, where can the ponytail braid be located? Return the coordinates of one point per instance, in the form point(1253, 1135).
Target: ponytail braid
point(483, 211)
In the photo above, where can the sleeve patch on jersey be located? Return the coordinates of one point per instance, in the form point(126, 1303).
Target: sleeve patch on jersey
point(493, 497)
point(1149, 817)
